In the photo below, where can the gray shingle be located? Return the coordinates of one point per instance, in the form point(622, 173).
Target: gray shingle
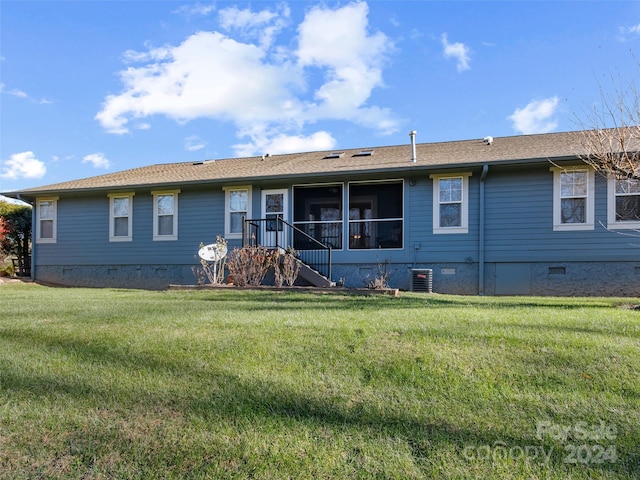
point(430, 156)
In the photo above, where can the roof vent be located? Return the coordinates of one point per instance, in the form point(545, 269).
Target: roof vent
point(363, 153)
point(334, 155)
point(412, 135)
point(200, 162)
point(488, 140)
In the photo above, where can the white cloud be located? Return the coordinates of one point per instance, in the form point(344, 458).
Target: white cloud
point(192, 143)
point(208, 75)
point(14, 91)
point(23, 165)
point(536, 117)
point(283, 143)
point(22, 94)
point(338, 42)
point(632, 31)
point(98, 160)
point(263, 25)
point(195, 9)
point(458, 51)
point(262, 87)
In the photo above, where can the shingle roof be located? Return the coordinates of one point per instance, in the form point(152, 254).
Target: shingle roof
point(429, 156)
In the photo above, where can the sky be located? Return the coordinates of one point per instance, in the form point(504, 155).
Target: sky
point(92, 87)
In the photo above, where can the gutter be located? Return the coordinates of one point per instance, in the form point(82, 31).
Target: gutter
point(481, 242)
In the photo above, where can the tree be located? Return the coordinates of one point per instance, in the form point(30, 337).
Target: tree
point(15, 226)
point(610, 135)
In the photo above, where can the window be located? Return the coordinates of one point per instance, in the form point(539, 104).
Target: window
point(375, 215)
point(47, 220)
point(573, 198)
point(238, 207)
point(165, 215)
point(624, 203)
point(120, 217)
point(317, 211)
point(451, 203)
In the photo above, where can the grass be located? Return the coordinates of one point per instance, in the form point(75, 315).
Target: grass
point(256, 384)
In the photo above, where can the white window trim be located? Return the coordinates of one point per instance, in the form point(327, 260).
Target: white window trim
point(464, 227)
point(155, 194)
point(612, 224)
point(112, 236)
point(558, 226)
point(54, 226)
point(227, 205)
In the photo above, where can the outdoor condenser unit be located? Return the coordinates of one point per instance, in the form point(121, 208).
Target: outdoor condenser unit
point(422, 280)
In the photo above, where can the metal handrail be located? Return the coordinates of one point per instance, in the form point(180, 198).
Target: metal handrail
point(318, 257)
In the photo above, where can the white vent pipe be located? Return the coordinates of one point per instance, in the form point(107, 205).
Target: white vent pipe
point(412, 134)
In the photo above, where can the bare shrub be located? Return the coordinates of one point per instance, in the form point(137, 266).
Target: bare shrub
point(212, 270)
point(249, 265)
point(286, 268)
point(379, 280)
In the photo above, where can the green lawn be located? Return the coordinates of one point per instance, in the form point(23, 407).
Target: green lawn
point(257, 384)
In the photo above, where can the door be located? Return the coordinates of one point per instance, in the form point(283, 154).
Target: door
point(275, 205)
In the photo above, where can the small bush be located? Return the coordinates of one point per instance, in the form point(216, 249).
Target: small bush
point(286, 268)
point(379, 281)
point(249, 265)
point(7, 271)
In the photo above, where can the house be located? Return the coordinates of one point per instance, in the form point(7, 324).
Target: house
point(519, 215)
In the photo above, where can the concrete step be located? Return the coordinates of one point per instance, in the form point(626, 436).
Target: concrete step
point(314, 278)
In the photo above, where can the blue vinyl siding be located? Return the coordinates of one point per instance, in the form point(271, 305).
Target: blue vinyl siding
point(83, 231)
point(518, 231)
point(453, 247)
point(519, 222)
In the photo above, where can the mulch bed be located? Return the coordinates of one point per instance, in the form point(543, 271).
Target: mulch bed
point(393, 292)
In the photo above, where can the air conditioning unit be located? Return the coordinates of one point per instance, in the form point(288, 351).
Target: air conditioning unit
point(422, 280)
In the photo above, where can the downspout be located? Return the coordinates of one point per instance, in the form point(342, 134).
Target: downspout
point(485, 170)
point(33, 236)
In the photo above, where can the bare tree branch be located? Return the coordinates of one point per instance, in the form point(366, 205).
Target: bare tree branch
point(610, 133)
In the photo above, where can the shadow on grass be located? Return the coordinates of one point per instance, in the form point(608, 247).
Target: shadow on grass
point(238, 397)
point(258, 300)
point(616, 330)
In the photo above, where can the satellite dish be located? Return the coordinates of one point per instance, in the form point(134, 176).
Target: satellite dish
point(212, 252)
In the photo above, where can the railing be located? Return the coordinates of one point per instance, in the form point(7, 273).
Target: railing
point(275, 232)
point(22, 266)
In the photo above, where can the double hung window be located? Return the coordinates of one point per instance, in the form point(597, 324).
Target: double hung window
point(120, 217)
point(237, 208)
point(46, 220)
point(573, 198)
point(165, 215)
point(451, 203)
point(624, 203)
